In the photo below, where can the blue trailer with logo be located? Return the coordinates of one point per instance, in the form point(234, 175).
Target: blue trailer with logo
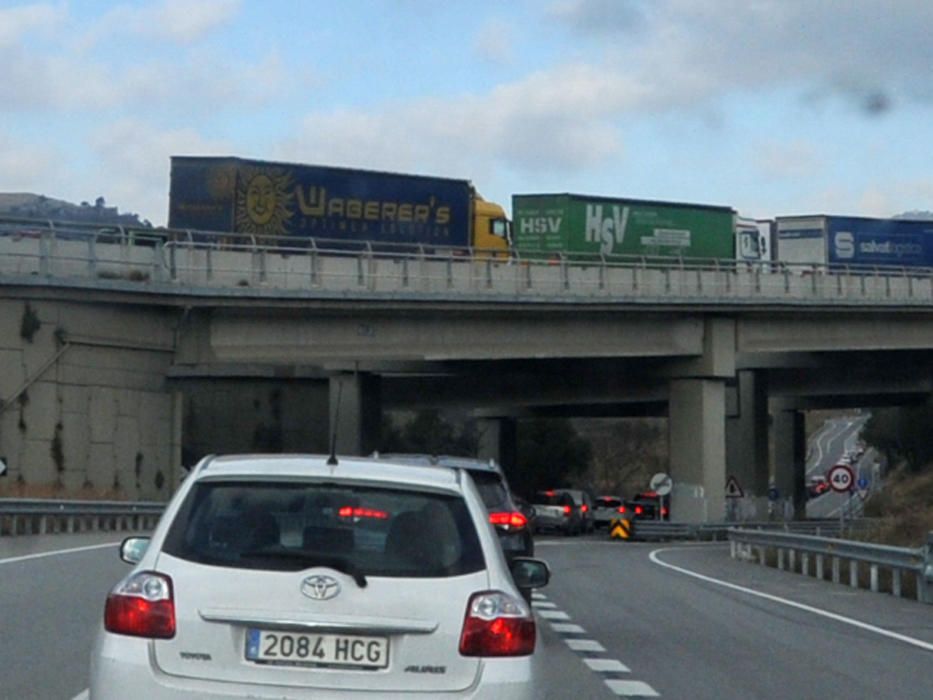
point(342, 205)
point(854, 241)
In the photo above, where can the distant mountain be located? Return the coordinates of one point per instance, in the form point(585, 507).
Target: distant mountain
point(916, 215)
point(38, 206)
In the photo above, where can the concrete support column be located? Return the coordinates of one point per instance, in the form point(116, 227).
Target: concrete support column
point(355, 412)
point(498, 440)
point(697, 439)
point(790, 458)
point(747, 435)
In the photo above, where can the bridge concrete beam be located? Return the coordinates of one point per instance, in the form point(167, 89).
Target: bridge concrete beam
point(790, 457)
point(747, 434)
point(498, 440)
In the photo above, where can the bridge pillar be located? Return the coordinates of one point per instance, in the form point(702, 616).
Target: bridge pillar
point(498, 440)
point(697, 443)
point(747, 436)
point(790, 458)
point(355, 412)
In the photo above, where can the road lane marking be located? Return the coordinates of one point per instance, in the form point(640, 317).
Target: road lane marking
point(83, 695)
point(919, 643)
point(554, 615)
point(607, 666)
point(631, 689)
point(567, 628)
point(585, 645)
point(39, 555)
point(542, 605)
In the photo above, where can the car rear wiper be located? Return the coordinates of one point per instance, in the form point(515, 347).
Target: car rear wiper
point(337, 563)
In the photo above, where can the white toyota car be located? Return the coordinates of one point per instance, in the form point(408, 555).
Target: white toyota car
point(289, 576)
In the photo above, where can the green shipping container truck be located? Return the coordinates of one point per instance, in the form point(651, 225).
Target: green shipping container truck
point(572, 223)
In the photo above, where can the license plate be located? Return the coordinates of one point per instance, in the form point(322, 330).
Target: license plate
point(301, 649)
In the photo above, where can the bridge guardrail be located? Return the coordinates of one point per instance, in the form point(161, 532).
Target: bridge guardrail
point(248, 265)
point(756, 544)
point(46, 516)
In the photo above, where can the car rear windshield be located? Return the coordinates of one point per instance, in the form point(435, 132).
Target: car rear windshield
point(491, 490)
point(606, 502)
point(551, 498)
point(360, 530)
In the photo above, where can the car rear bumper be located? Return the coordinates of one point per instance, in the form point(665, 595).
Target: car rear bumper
point(121, 668)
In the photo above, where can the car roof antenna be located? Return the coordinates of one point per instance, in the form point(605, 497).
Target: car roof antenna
point(332, 459)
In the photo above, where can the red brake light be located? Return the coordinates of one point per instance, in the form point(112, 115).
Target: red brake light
point(663, 512)
point(621, 509)
point(566, 510)
point(548, 493)
point(496, 624)
point(639, 510)
point(507, 519)
point(351, 512)
point(584, 507)
point(142, 606)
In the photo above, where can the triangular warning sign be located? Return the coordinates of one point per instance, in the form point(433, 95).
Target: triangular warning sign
point(733, 490)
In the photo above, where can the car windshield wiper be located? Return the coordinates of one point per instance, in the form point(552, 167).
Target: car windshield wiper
point(331, 561)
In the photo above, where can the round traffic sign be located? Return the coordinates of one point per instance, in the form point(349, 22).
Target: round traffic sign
point(661, 483)
point(840, 478)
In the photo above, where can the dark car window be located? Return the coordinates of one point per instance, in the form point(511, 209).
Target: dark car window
point(291, 526)
point(491, 489)
point(548, 498)
point(608, 502)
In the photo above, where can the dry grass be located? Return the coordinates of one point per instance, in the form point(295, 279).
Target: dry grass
point(904, 509)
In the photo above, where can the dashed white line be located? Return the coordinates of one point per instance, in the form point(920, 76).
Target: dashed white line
point(553, 615)
point(585, 645)
point(607, 666)
point(631, 689)
point(567, 628)
point(83, 695)
point(542, 605)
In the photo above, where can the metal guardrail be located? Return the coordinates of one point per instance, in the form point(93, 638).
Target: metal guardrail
point(166, 260)
point(756, 544)
point(663, 530)
point(42, 516)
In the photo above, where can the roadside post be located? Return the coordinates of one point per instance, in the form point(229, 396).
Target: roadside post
point(661, 483)
point(2, 466)
point(733, 493)
point(925, 582)
point(841, 479)
point(774, 495)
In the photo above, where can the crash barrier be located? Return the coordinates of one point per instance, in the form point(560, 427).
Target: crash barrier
point(176, 261)
point(664, 530)
point(788, 549)
point(42, 517)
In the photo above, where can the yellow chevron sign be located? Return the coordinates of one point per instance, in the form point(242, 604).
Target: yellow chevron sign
point(620, 528)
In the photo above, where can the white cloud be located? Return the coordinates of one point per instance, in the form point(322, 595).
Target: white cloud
point(177, 21)
point(26, 167)
point(132, 159)
point(16, 22)
point(787, 160)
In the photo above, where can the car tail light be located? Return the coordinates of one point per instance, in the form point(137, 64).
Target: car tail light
point(639, 510)
point(664, 512)
point(584, 508)
point(507, 520)
point(142, 606)
point(351, 512)
point(567, 510)
point(497, 624)
point(621, 509)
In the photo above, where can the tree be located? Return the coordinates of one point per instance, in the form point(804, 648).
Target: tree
point(903, 433)
point(550, 454)
point(428, 432)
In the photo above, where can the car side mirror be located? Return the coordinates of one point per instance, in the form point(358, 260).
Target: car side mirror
point(530, 573)
point(133, 549)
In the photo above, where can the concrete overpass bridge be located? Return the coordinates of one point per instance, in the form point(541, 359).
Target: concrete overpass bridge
point(117, 351)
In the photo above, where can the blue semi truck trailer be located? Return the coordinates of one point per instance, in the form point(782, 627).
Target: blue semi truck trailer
point(847, 240)
point(262, 198)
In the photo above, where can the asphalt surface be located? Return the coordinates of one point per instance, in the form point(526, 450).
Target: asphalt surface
point(616, 621)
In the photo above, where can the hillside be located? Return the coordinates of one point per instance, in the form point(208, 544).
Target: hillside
point(38, 206)
point(904, 508)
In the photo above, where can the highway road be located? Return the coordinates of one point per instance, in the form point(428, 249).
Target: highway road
point(618, 620)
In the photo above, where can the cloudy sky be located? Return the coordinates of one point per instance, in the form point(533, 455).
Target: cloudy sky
point(771, 106)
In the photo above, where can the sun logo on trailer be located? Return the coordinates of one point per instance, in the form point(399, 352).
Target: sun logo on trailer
point(264, 199)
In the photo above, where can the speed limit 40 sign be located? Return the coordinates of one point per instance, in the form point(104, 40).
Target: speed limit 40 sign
point(841, 478)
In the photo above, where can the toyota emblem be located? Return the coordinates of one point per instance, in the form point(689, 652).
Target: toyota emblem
point(320, 587)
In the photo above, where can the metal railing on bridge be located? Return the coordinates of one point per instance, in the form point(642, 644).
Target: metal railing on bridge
point(48, 516)
point(166, 260)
